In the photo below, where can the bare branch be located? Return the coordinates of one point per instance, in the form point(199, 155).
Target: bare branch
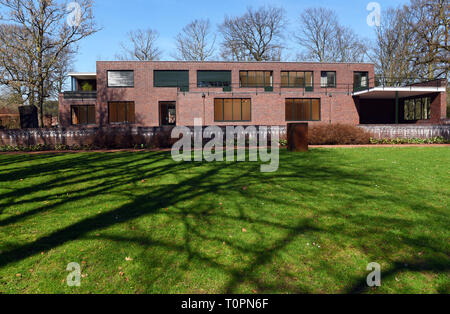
point(141, 46)
point(257, 35)
point(195, 42)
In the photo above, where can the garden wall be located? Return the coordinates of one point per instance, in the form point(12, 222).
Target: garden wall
point(128, 137)
point(407, 131)
point(110, 137)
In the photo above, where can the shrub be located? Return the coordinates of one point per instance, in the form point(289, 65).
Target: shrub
point(400, 141)
point(338, 134)
point(87, 87)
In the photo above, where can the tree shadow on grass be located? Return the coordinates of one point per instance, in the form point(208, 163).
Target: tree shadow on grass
point(110, 173)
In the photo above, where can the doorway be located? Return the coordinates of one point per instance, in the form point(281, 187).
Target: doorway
point(167, 113)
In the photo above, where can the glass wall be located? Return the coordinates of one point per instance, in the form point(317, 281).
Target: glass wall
point(417, 109)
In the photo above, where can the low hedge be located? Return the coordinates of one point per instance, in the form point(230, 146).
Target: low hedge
point(400, 141)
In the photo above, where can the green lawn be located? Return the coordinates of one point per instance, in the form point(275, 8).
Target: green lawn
point(141, 223)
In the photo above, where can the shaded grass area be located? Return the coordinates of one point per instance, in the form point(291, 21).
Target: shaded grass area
point(141, 223)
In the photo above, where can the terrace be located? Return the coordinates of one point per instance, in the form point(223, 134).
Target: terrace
point(83, 86)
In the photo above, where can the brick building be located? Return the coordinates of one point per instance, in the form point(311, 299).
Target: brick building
point(244, 93)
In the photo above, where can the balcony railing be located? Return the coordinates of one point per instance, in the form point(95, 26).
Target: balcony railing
point(80, 95)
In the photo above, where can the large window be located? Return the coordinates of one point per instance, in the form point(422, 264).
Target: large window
point(232, 110)
point(418, 109)
point(361, 80)
point(296, 79)
point(328, 79)
point(120, 78)
point(302, 109)
point(171, 79)
point(256, 78)
point(121, 112)
point(213, 78)
point(83, 114)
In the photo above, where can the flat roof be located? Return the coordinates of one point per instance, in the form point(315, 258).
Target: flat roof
point(390, 92)
point(83, 75)
point(305, 62)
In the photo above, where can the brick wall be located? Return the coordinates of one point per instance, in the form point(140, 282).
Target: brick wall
point(268, 108)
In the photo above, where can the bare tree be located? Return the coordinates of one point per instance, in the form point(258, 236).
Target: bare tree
point(393, 49)
point(47, 30)
point(195, 42)
point(412, 42)
point(429, 23)
point(325, 40)
point(58, 79)
point(17, 66)
point(316, 33)
point(348, 46)
point(257, 35)
point(141, 46)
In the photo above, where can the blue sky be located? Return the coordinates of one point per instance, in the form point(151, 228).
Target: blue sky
point(117, 17)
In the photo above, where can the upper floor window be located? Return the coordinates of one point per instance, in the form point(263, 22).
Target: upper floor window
point(121, 112)
point(213, 78)
point(171, 78)
point(296, 79)
point(361, 80)
point(83, 114)
point(418, 109)
point(328, 79)
point(120, 78)
point(256, 78)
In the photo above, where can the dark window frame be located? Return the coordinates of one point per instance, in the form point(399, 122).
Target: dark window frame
point(87, 114)
point(215, 86)
point(178, 85)
point(107, 79)
point(256, 86)
point(363, 73)
point(328, 83)
point(126, 113)
point(293, 109)
point(304, 79)
point(223, 110)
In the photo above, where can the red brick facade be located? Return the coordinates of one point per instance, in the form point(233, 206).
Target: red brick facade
point(267, 108)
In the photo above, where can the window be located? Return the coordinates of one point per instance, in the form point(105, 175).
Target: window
point(302, 109)
point(232, 110)
point(213, 78)
point(361, 80)
point(256, 78)
point(328, 79)
point(120, 78)
point(171, 78)
point(418, 109)
point(296, 79)
point(121, 112)
point(83, 114)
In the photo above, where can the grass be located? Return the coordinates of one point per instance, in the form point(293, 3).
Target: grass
point(141, 223)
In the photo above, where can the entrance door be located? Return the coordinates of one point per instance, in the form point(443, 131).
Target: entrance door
point(167, 113)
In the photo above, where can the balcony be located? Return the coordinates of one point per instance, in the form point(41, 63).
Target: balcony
point(80, 95)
